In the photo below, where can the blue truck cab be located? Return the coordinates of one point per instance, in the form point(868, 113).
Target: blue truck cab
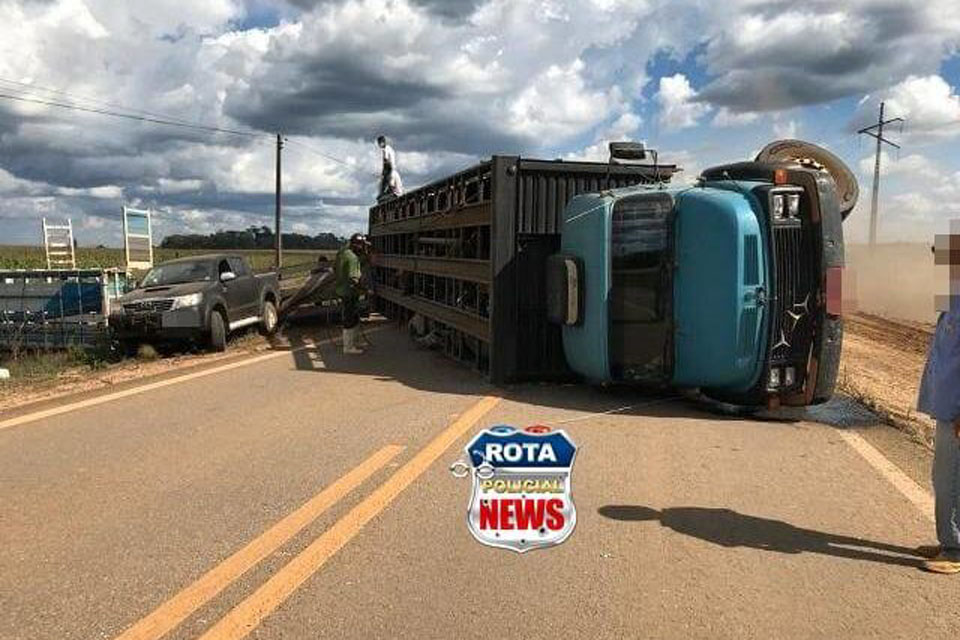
point(730, 286)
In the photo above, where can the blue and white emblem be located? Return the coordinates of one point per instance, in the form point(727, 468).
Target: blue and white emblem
point(521, 497)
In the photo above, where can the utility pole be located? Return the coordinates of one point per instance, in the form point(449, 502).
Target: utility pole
point(878, 134)
point(277, 231)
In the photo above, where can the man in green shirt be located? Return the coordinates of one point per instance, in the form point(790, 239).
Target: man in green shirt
point(348, 288)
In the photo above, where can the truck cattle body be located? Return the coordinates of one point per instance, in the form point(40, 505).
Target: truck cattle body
point(731, 286)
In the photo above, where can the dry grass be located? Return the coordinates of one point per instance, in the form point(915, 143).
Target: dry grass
point(881, 367)
point(25, 257)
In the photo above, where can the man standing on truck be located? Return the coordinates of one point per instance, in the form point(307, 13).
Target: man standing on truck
point(940, 398)
point(348, 286)
point(390, 183)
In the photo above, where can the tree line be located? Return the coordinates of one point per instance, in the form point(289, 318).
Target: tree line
point(250, 238)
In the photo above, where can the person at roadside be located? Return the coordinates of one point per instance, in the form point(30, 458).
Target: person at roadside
point(348, 288)
point(940, 398)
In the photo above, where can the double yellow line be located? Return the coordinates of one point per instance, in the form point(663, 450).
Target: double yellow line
point(247, 615)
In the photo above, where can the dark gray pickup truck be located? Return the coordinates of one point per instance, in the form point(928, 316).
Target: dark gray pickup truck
point(199, 299)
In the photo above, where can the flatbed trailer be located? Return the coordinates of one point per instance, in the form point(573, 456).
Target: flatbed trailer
point(468, 254)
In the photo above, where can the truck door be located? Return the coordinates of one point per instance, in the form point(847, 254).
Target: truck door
point(232, 292)
point(246, 285)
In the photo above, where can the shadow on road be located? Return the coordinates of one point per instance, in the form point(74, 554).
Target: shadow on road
point(393, 356)
point(727, 528)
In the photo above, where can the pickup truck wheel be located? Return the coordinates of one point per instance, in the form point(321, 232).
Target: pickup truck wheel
point(129, 347)
point(268, 322)
point(217, 339)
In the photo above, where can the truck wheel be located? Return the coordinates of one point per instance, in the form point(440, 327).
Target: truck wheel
point(268, 322)
point(218, 332)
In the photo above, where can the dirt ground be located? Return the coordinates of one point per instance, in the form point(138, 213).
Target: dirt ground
point(15, 393)
point(882, 364)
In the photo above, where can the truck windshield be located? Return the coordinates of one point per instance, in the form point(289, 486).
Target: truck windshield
point(641, 284)
point(177, 272)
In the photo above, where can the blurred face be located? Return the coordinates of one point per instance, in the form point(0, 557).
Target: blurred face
point(946, 250)
point(947, 253)
point(381, 143)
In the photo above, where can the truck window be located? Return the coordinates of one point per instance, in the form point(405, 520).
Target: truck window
point(641, 287)
point(237, 265)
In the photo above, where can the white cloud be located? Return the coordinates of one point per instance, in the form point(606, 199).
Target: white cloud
point(558, 103)
point(677, 108)
point(817, 51)
point(783, 130)
point(625, 127)
point(501, 76)
point(930, 106)
point(727, 118)
point(913, 166)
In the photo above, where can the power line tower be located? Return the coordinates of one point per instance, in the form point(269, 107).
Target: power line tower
point(878, 134)
point(278, 248)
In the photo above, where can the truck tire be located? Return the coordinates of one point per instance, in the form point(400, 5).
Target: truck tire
point(268, 318)
point(217, 339)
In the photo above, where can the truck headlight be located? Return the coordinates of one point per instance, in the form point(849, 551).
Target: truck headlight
point(789, 376)
point(778, 207)
point(190, 300)
point(793, 205)
point(774, 380)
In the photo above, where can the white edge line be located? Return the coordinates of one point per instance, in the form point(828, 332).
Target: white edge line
point(913, 492)
point(117, 395)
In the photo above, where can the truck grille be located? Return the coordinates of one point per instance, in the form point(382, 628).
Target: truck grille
point(149, 306)
point(794, 299)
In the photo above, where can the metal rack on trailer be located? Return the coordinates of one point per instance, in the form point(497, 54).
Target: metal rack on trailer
point(468, 254)
point(57, 308)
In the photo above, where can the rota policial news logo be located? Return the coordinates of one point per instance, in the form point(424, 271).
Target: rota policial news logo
point(521, 496)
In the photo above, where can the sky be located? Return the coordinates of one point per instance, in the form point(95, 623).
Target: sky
point(452, 82)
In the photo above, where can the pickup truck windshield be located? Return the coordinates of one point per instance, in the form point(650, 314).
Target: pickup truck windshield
point(178, 272)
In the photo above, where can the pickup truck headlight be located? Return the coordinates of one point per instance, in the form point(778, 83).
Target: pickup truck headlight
point(191, 300)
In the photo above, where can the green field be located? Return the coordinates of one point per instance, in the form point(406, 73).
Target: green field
point(25, 257)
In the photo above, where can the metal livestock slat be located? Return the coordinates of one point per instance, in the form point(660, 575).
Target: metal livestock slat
point(516, 206)
point(470, 270)
point(465, 322)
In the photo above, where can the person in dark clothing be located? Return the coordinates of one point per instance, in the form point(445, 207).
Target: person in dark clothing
point(348, 288)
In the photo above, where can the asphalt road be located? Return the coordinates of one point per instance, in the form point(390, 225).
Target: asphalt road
point(307, 495)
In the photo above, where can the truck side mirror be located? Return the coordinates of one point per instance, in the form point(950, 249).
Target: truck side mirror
point(564, 290)
point(227, 276)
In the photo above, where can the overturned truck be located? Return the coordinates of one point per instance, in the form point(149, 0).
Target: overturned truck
point(544, 270)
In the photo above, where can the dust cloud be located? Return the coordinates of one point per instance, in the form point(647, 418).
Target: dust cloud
point(897, 281)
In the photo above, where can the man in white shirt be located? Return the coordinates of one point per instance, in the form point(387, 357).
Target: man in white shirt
point(390, 183)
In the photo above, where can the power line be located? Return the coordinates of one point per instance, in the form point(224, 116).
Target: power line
point(76, 97)
point(148, 116)
point(878, 134)
point(128, 116)
point(320, 153)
